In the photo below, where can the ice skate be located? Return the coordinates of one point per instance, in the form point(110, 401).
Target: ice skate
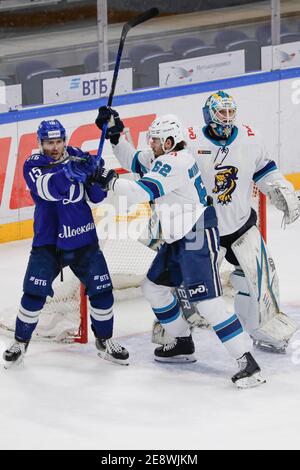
point(250, 374)
point(178, 351)
point(111, 351)
point(14, 355)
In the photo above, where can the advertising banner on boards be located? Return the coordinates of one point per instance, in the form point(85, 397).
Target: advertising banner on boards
point(201, 69)
point(86, 86)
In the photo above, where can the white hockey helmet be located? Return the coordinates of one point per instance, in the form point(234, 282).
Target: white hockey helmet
point(164, 127)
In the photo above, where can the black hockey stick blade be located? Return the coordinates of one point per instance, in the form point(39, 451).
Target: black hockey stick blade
point(143, 17)
point(138, 20)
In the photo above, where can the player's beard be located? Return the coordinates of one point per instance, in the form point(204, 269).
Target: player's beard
point(156, 155)
point(56, 155)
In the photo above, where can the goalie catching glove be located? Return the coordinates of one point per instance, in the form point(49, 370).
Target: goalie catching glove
point(115, 125)
point(285, 200)
point(105, 178)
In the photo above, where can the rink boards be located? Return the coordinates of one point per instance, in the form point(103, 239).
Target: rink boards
point(268, 102)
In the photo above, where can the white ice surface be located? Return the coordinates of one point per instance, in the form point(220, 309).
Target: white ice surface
point(65, 397)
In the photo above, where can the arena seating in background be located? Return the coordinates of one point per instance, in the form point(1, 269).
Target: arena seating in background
point(7, 79)
point(137, 53)
point(263, 33)
point(181, 45)
point(199, 51)
point(252, 53)
point(31, 75)
point(147, 70)
point(289, 37)
point(144, 59)
point(228, 36)
point(91, 62)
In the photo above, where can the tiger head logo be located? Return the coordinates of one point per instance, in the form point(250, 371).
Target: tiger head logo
point(225, 183)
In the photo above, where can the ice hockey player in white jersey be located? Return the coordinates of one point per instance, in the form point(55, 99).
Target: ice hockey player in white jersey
point(231, 158)
point(170, 176)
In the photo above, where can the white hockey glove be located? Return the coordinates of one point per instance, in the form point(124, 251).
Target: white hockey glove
point(286, 200)
point(160, 336)
point(189, 312)
point(152, 235)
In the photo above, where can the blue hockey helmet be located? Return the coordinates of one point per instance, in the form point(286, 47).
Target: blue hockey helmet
point(51, 130)
point(219, 112)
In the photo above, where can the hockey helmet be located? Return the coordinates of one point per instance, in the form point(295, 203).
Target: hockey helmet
point(219, 112)
point(165, 127)
point(51, 130)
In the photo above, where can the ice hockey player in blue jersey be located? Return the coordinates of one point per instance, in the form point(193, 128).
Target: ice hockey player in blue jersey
point(59, 180)
point(170, 178)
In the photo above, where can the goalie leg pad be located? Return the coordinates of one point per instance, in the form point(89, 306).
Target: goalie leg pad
point(260, 314)
point(260, 272)
point(245, 305)
point(274, 335)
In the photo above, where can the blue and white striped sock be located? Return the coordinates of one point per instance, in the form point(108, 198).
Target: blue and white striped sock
point(171, 319)
point(227, 327)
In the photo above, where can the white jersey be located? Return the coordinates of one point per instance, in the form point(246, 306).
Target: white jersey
point(173, 180)
point(229, 168)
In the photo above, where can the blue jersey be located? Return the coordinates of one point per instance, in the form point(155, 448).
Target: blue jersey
point(62, 214)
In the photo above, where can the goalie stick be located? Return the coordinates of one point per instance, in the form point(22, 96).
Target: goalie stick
point(126, 28)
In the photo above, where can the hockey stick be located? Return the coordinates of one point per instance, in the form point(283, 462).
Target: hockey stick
point(126, 28)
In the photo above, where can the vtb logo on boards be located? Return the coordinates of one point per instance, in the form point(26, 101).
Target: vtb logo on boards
point(92, 87)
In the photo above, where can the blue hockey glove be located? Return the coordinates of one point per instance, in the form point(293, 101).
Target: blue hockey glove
point(115, 126)
point(105, 178)
point(80, 168)
point(77, 153)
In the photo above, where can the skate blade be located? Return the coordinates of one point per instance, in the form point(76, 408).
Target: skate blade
point(251, 382)
point(106, 357)
point(177, 359)
point(19, 363)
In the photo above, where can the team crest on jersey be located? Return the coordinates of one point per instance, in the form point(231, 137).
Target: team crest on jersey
point(225, 183)
point(250, 132)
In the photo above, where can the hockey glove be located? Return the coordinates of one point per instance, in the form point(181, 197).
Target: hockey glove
point(80, 168)
point(286, 200)
point(105, 178)
point(115, 125)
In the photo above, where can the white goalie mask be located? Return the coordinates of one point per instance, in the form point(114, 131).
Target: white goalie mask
point(164, 127)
